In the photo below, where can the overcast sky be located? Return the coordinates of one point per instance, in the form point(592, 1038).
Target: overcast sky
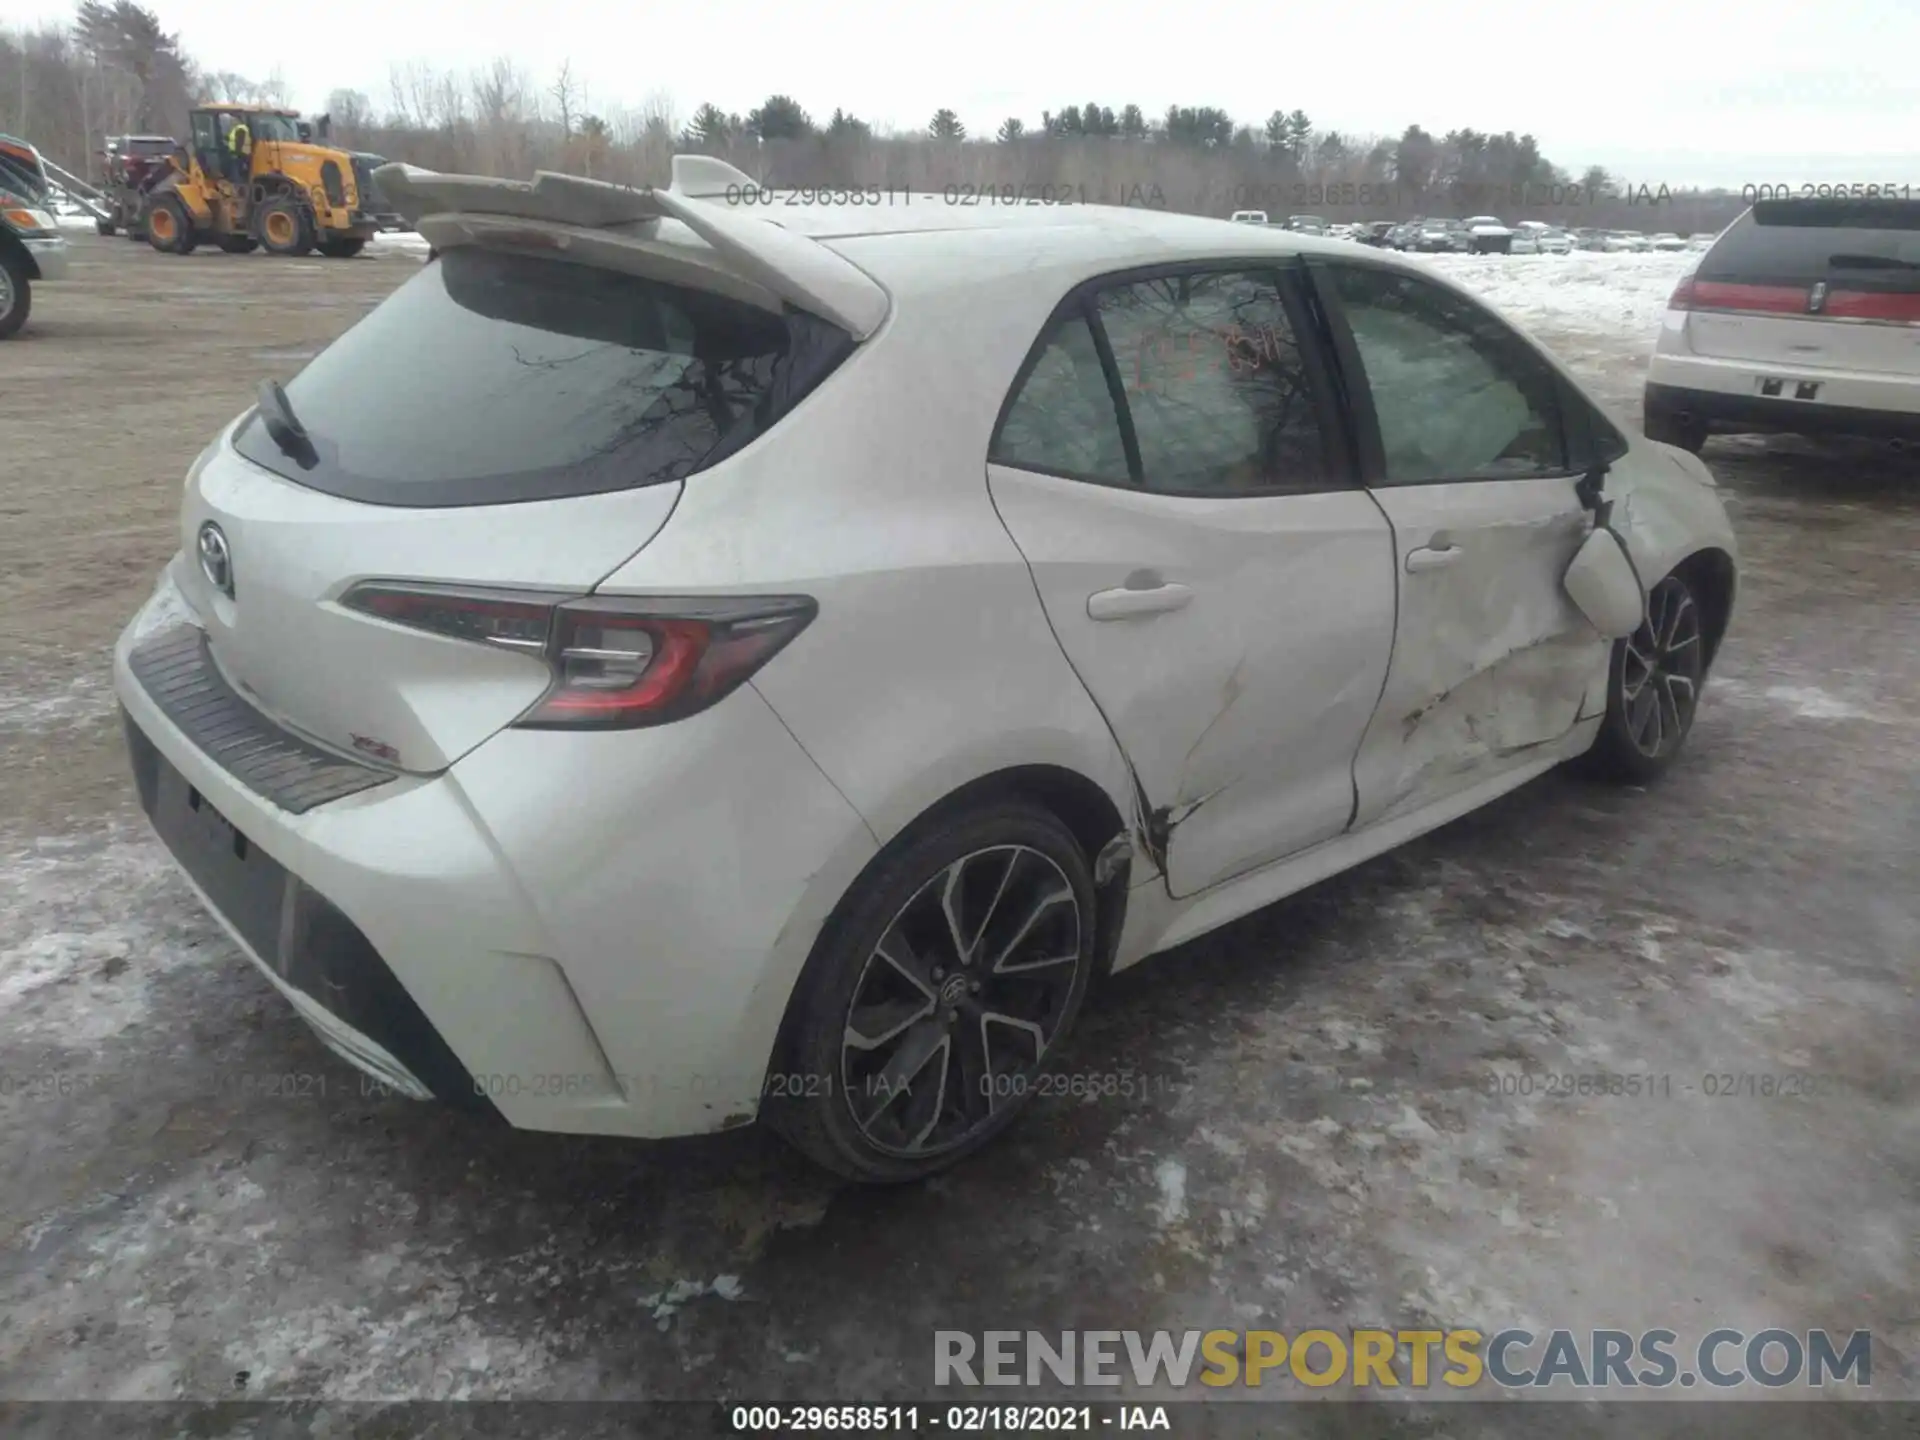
point(1659, 91)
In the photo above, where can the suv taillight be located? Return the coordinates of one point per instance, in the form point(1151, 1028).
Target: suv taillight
point(1896, 307)
point(1696, 294)
point(618, 662)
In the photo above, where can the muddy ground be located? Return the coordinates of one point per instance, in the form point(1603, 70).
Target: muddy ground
point(1317, 1138)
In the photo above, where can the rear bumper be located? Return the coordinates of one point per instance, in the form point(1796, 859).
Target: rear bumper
point(315, 956)
point(1726, 397)
point(592, 933)
point(50, 254)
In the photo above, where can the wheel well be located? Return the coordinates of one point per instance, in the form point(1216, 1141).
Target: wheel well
point(1709, 574)
point(1082, 806)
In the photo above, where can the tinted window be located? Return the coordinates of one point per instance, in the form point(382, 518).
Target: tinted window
point(1063, 420)
point(1458, 395)
point(17, 175)
point(1796, 242)
point(489, 378)
point(1215, 385)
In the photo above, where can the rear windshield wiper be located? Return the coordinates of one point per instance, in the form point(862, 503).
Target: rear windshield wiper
point(284, 427)
point(1869, 262)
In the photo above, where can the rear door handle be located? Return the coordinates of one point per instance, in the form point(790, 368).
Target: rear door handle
point(1431, 557)
point(1126, 602)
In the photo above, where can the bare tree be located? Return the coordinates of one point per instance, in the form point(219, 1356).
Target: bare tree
point(566, 94)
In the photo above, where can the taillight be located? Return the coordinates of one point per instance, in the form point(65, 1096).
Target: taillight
point(1895, 308)
point(617, 662)
point(1755, 299)
point(1682, 297)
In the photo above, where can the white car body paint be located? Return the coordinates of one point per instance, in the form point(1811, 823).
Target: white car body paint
point(633, 909)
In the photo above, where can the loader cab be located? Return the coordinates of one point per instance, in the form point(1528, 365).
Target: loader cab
point(209, 142)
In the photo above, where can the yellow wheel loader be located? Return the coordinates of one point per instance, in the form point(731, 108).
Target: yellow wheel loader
point(252, 176)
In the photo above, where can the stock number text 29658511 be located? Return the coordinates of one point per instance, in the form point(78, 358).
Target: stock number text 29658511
point(819, 195)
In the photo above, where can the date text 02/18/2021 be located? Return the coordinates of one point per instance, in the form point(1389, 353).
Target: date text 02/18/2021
point(951, 1419)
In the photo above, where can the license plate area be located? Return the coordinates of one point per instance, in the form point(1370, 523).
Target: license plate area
point(211, 828)
point(244, 883)
point(1774, 387)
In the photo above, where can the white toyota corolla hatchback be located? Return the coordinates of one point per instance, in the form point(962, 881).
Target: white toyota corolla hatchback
point(687, 656)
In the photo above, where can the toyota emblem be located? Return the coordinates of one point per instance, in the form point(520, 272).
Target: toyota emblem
point(216, 561)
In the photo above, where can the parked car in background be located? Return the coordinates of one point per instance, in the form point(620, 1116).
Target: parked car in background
point(1555, 242)
point(1803, 316)
point(1307, 224)
point(1488, 235)
point(1622, 242)
point(32, 246)
point(515, 715)
point(132, 165)
point(1700, 240)
point(1249, 217)
point(1586, 238)
point(1378, 233)
point(1402, 235)
point(1435, 237)
point(1667, 240)
point(1524, 242)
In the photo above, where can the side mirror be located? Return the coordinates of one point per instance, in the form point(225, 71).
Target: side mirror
point(1604, 583)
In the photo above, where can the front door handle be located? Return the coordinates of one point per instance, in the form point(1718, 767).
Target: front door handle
point(1431, 557)
point(1128, 601)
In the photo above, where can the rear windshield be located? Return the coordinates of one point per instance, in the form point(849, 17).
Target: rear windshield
point(490, 378)
point(144, 146)
point(1796, 242)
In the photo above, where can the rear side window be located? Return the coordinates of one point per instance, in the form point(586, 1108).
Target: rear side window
point(1063, 421)
point(1799, 242)
point(1215, 384)
point(491, 378)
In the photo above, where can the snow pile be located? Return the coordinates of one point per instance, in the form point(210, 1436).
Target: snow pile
point(1587, 292)
point(397, 242)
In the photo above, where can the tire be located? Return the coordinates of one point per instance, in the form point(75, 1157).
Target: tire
point(869, 1112)
point(238, 244)
point(1653, 688)
point(16, 294)
point(170, 228)
point(1688, 435)
point(104, 227)
point(282, 227)
point(344, 249)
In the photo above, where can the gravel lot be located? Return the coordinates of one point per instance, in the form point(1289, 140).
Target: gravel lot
point(1319, 1140)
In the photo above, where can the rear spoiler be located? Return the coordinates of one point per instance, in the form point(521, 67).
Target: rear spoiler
point(798, 270)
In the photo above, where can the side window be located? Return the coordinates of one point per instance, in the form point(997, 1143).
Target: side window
point(1063, 421)
point(1457, 394)
point(1215, 385)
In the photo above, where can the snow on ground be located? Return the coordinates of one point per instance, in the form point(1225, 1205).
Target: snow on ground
point(81, 700)
point(88, 922)
point(397, 242)
point(1586, 293)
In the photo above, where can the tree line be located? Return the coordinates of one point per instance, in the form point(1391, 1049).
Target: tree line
point(116, 69)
